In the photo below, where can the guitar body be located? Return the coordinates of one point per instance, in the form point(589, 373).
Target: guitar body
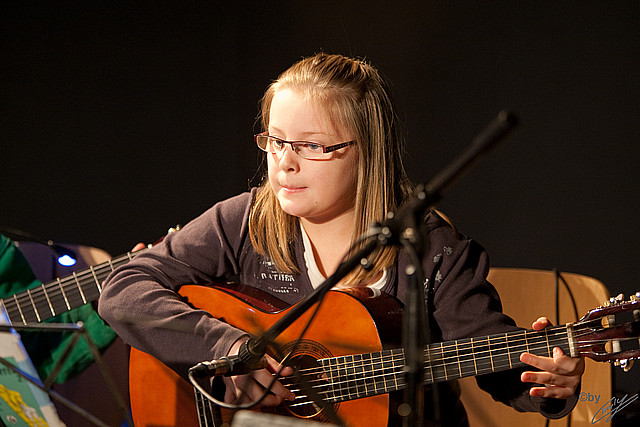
point(346, 324)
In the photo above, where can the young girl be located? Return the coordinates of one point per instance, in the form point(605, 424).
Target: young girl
point(333, 148)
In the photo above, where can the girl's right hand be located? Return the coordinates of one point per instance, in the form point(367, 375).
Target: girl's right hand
point(247, 388)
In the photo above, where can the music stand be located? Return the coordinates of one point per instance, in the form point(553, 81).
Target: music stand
point(15, 358)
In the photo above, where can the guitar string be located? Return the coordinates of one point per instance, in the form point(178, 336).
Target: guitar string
point(441, 366)
point(513, 343)
point(364, 387)
point(359, 385)
point(35, 300)
point(393, 374)
point(68, 283)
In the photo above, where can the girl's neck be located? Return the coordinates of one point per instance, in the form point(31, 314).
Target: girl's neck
point(330, 240)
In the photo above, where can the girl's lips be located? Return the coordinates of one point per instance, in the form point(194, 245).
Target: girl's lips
point(292, 188)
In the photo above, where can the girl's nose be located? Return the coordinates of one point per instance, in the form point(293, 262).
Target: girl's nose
point(287, 158)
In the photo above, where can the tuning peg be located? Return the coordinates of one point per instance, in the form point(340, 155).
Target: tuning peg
point(625, 364)
point(614, 300)
point(174, 229)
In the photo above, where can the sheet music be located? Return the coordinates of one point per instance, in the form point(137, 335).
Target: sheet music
point(21, 402)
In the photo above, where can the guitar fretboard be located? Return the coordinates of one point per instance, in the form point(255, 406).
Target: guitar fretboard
point(363, 375)
point(63, 294)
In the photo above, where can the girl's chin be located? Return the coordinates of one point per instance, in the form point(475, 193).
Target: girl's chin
point(289, 207)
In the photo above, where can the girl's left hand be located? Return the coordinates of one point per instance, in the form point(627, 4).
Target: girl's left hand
point(559, 374)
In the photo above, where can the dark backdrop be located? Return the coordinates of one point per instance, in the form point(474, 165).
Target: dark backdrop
point(121, 119)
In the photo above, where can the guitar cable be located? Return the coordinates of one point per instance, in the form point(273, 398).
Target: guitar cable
point(330, 411)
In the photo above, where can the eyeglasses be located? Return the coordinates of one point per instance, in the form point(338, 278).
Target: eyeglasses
point(304, 149)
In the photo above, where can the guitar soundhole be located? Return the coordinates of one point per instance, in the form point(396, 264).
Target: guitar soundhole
point(309, 383)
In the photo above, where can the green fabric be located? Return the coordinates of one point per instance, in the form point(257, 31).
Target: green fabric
point(46, 348)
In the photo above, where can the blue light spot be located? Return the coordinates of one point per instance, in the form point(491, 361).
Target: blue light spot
point(66, 260)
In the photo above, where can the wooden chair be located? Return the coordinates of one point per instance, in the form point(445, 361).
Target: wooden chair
point(526, 295)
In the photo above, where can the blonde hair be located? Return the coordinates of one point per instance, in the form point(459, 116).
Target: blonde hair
point(354, 95)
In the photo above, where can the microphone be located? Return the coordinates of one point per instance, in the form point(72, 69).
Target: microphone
point(242, 363)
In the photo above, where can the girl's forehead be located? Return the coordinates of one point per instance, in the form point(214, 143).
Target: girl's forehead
point(302, 109)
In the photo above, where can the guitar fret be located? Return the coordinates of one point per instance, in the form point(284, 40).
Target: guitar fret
point(506, 340)
point(350, 377)
point(340, 373)
point(430, 378)
point(466, 362)
point(483, 356)
point(24, 321)
point(326, 365)
point(457, 358)
point(95, 279)
point(499, 356)
point(377, 366)
point(33, 304)
point(359, 379)
point(490, 354)
point(438, 369)
point(443, 361)
point(546, 337)
point(369, 377)
point(514, 356)
point(75, 277)
point(541, 344)
point(388, 375)
point(73, 293)
point(473, 354)
point(56, 297)
point(44, 290)
point(391, 373)
point(66, 300)
point(358, 389)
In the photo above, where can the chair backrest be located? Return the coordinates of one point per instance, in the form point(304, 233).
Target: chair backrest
point(43, 260)
point(527, 294)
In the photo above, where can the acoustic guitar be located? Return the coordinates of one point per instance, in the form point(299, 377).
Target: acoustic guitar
point(344, 362)
point(62, 294)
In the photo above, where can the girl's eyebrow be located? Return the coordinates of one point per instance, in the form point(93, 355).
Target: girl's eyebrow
point(305, 134)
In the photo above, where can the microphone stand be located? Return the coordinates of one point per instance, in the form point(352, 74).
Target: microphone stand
point(399, 228)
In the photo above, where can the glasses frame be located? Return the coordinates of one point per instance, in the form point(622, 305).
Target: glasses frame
point(325, 148)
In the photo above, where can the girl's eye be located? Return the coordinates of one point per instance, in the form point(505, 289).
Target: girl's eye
point(313, 147)
point(277, 143)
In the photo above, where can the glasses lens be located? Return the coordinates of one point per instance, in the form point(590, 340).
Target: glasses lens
point(263, 142)
point(309, 150)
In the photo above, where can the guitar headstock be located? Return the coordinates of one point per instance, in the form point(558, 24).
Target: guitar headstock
point(601, 336)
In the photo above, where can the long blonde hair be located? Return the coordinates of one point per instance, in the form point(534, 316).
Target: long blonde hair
point(355, 95)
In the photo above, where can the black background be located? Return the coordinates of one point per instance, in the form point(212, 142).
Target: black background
point(121, 119)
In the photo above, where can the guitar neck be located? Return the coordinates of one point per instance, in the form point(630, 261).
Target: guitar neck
point(63, 294)
point(363, 375)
